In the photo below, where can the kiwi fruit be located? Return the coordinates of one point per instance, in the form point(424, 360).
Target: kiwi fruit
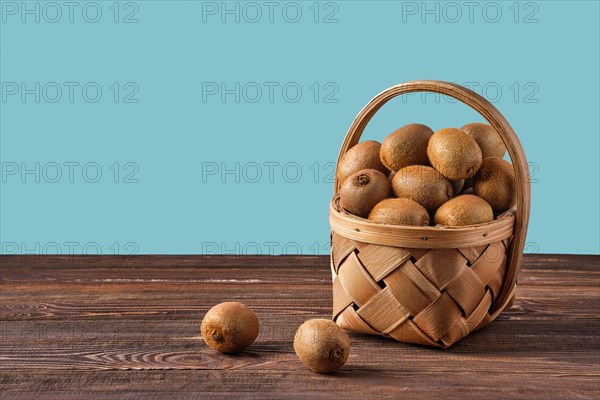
point(229, 327)
point(406, 146)
point(424, 185)
point(468, 184)
point(364, 155)
point(399, 212)
point(454, 153)
point(457, 185)
point(487, 138)
point(466, 209)
point(495, 183)
point(362, 190)
point(322, 345)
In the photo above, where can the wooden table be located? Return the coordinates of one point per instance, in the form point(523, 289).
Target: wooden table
point(81, 328)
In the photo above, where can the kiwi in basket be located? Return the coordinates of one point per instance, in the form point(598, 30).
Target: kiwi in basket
point(322, 345)
point(466, 209)
point(229, 327)
point(406, 146)
point(468, 184)
point(362, 190)
point(424, 185)
point(399, 212)
point(364, 155)
point(487, 138)
point(457, 185)
point(495, 183)
point(454, 153)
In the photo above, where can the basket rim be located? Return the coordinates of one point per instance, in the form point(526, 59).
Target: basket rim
point(364, 230)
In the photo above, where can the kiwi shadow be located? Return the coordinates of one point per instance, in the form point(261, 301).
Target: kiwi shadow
point(245, 354)
point(351, 371)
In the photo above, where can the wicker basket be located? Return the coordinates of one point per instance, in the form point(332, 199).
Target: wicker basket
point(427, 285)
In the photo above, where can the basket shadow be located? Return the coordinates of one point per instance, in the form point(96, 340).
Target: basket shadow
point(504, 337)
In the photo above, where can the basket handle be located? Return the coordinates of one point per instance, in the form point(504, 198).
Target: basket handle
point(497, 120)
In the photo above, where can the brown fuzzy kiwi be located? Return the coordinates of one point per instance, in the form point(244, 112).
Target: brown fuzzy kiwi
point(468, 184)
point(362, 190)
point(424, 185)
point(230, 327)
point(457, 185)
point(399, 212)
point(322, 345)
point(463, 210)
point(364, 155)
point(406, 146)
point(495, 183)
point(487, 138)
point(454, 153)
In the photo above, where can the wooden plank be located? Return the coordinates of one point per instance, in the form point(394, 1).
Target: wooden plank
point(129, 328)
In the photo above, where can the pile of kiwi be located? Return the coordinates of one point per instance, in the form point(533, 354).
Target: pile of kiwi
point(452, 177)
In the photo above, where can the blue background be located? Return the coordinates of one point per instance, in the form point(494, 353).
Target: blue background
point(544, 60)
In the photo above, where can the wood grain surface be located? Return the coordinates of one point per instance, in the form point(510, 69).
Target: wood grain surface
point(128, 327)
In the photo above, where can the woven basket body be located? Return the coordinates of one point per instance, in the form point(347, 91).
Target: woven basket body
point(427, 285)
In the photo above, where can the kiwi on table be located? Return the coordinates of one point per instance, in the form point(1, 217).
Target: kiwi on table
point(454, 153)
point(399, 212)
point(406, 146)
point(487, 138)
point(495, 183)
point(322, 345)
point(466, 209)
point(364, 155)
point(362, 190)
point(229, 327)
point(422, 184)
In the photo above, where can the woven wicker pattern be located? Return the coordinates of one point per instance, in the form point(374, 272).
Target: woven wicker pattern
point(423, 296)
